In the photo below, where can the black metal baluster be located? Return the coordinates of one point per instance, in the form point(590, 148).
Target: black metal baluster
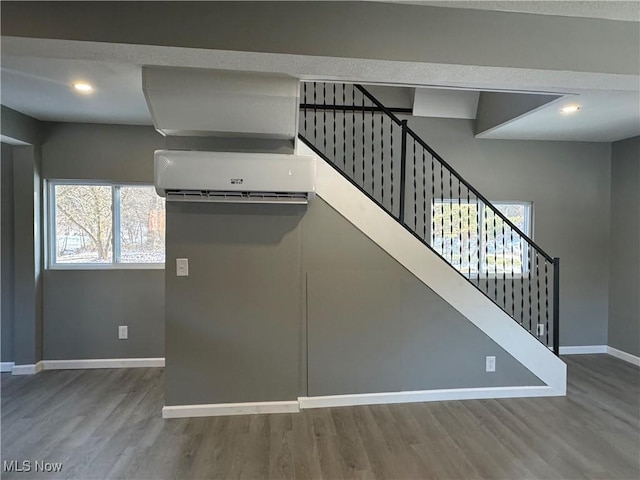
point(442, 208)
point(546, 301)
point(373, 156)
point(324, 119)
point(415, 189)
point(522, 283)
point(403, 171)
point(391, 162)
point(460, 219)
point(335, 158)
point(363, 147)
point(433, 201)
point(538, 288)
point(556, 305)
point(486, 247)
point(304, 89)
point(315, 114)
point(353, 132)
point(478, 238)
point(382, 158)
point(344, 129)
point(424, 195)
point(495, 258)
point(513, 296)
point(504, 272)
point(529, 282)
point(469, 230)
point(450, 218)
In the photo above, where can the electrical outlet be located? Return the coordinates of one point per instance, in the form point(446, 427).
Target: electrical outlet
point(123, 332)
point(540, 329)
point(491, 364)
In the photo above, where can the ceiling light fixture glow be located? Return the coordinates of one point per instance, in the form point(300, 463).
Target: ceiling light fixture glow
point(570, 109)
point(83, 87)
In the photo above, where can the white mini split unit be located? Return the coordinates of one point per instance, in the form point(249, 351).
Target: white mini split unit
point(190, 176)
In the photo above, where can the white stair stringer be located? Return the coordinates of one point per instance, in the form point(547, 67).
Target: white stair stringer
point(439, 276)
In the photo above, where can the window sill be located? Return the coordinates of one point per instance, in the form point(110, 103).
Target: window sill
point(109, 266)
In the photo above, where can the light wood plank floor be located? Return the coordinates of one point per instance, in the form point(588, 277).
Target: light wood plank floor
point(107, 424)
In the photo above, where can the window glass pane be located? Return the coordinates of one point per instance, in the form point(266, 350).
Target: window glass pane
point(84, 224)
point(142, 225)
point(495, 248)
point(455, 234)
point(506, 250)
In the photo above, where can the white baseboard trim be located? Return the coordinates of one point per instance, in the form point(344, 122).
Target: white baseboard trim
point(627, 357)
point(218, 409)
point(427, 396)
point(583, 349)
point(6, 366)
point(29, 369)
point(102, 363)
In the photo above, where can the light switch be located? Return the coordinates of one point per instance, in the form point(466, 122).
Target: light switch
point(182, 267)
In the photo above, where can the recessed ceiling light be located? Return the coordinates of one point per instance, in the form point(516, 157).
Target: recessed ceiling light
point(570, 109)
point(83, 87)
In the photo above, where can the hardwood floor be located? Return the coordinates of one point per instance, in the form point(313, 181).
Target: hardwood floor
point(107, 424)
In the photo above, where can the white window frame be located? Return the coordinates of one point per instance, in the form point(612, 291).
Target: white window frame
point(50, 233)
point(528, 231)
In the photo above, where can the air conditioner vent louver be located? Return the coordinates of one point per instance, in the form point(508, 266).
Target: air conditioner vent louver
point(237, 197)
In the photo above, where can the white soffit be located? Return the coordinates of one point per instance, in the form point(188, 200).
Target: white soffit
point(442, 103)
point(193, 101)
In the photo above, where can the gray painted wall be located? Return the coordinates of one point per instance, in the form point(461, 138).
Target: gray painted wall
point(233, 324)
point(82, 309)
point(23, 276)
point(496, 108)
point(117, 153)
point(241, 327)
point(27, 266)
point(343, 29)
point(569, 185)
point(624, 288)
point(7, 259)
point(374, 327)
point(20, 127)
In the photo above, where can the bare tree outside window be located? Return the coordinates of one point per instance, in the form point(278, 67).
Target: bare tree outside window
point(91, 219)
point(84, 224)
point(142, 215)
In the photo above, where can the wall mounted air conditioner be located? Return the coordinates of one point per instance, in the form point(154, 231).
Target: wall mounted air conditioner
point(189, 176)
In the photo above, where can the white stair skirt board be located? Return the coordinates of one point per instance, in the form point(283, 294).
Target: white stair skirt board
point(102, 363)
point(438, 275)
point(29, 369)
point(627, 357)
point(582, 349)
point(218, 409)
point(424, 396)
point(6, 366)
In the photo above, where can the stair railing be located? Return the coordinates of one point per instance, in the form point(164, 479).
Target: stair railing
point(386, 160)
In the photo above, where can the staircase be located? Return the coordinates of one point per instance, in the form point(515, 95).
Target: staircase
point(386, 161)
